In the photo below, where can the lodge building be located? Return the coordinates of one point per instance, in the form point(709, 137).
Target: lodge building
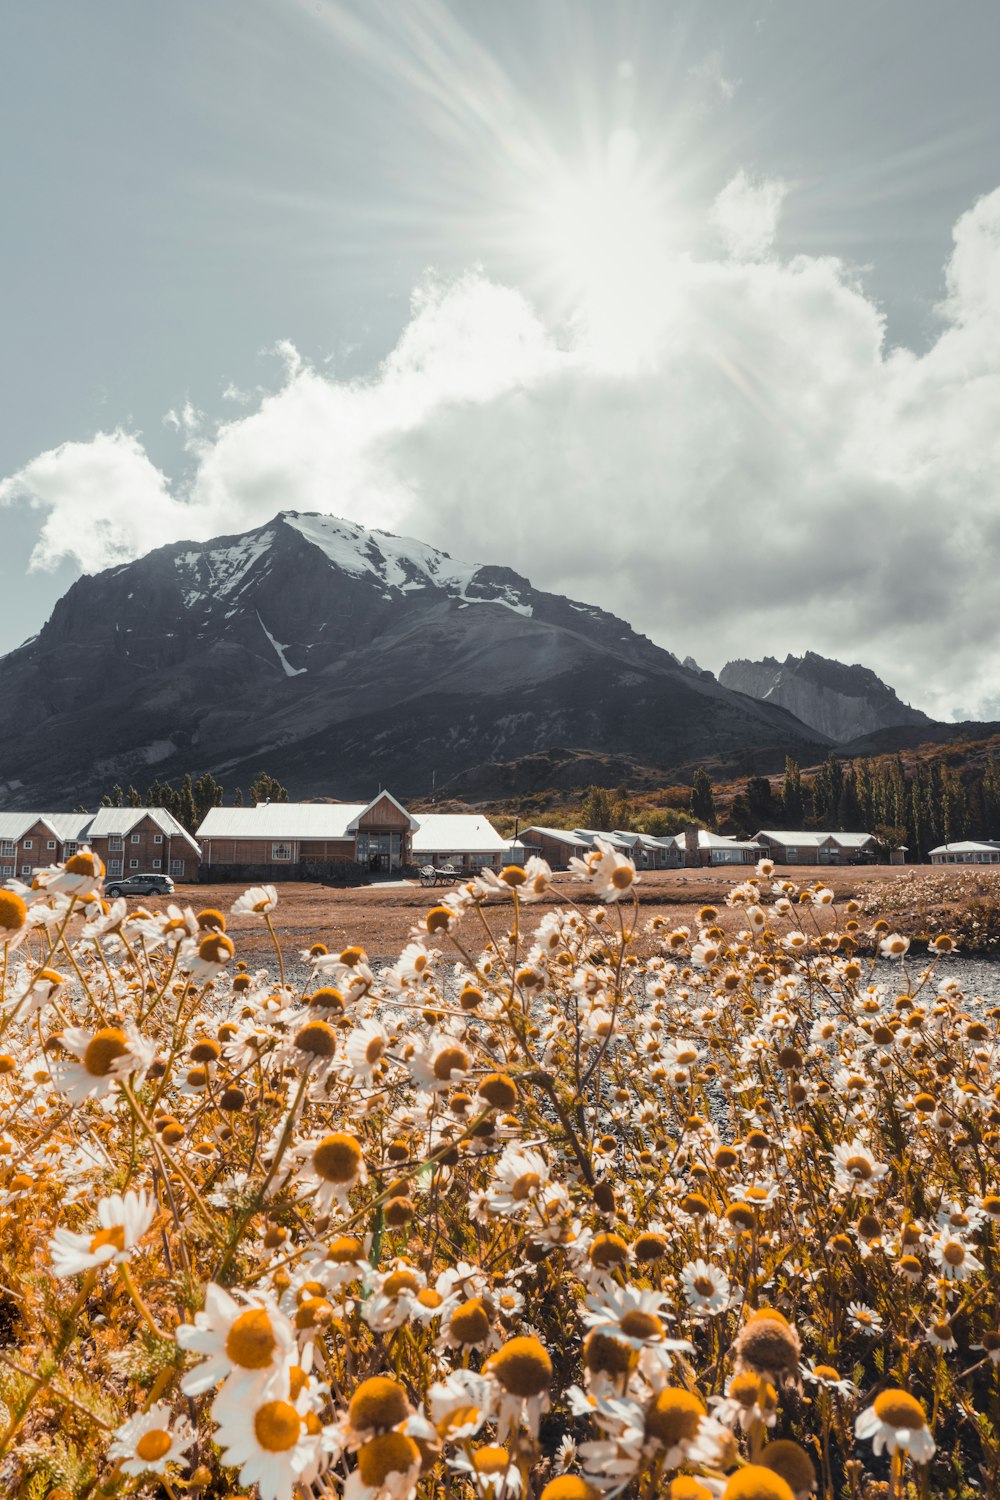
point(129, 840)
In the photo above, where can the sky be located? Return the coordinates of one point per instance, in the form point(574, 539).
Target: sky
point(688, 310)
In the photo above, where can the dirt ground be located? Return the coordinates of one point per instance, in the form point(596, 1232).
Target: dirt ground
point(379, 917)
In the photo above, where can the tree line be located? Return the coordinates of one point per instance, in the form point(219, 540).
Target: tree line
point(921, 808)
point(190, 801)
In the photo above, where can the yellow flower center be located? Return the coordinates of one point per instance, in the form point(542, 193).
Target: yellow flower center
point(859, 1167)
point(953, 1253)
point(524, 1186)
point(754, 1482)
point(337, 1158)
point(103, 1049)
point(470, 1323)
point(621, 877)
point(522, 1367)
point(13, 912)
point(390, 1453)
point(378, 1402)
point(641, 1325)
point(703, 1286)
point(318, 1039)
point(900, 1409)
point(450, 1060)
point(491, 1460)
point(276, 1426)
point(153, 1445)
point(674, 1416)
point(250, 1342)
point(115, 1236)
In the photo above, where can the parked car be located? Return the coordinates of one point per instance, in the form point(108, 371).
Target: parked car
point(152, 884)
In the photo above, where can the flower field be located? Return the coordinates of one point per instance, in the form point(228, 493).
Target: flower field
point(613, 1208)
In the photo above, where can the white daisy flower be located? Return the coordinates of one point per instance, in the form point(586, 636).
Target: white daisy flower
point(123, 1220)
point(151, 1440)
point(896, 1420)
point(250, 1345)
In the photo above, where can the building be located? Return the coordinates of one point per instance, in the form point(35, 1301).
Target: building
point(128, 840)
point(319, 840)
point(814, 847)
point(133, 839)
point(297, 840)
point(697, 846)
point(967, 852)
point(651, 853)
point(463, 839)
point(557, 846)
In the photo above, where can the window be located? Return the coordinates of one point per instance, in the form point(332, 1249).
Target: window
point(8, 846)
point(6, 869)
point(115, 841)
point(133, 864)
point(136, 837)
point(27, 843)
point(50, 843)
point(70, 847)
point(25, 869)
point(157, 838)
point(115, 866)
point(281, 851)
point(157, 864)
point(177, 867)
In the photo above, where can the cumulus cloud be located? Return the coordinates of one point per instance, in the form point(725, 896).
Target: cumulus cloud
point(769, 476)
point(746, 214)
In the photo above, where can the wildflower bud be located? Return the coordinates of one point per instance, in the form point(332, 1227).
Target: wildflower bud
point(604, 1197)
point(755, 1482)
point(211, 920)
point(378, 1403)
point(570, 1487)
point(608, 1250)
point(522, 1367)
point(398, 1211)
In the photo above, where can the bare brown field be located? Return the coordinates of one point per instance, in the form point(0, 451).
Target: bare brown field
point(380, 917)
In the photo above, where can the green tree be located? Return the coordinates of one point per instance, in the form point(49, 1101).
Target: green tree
point(188, 814)
point(238, 797)
point(265, 788)
point(703, 798)
point(596, 811)
point(208, 793)
point(792, 805)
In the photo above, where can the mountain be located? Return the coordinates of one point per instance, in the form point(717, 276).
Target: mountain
point(843, 703)
point(339, 658)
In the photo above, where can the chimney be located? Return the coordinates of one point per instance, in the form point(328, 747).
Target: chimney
point(692, 851)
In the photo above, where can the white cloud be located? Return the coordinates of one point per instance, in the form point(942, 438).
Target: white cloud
point(768, 477)
point(746, 214)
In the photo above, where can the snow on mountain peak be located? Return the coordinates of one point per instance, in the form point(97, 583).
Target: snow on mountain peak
point(400, 563)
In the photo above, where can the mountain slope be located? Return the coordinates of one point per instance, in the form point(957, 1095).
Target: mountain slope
point(841, 702)
point(339, 658)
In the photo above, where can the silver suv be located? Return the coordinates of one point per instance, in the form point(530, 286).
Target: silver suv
point(140, 885)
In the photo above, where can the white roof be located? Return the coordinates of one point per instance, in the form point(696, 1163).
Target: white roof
point(443, 833)
point(70, 827)
point(812, 838)
point(616, 840)
point(282, 820)
point(79, 827)
point(561, 836)
point(968, 846)
point(14, 824)
point(122, 820)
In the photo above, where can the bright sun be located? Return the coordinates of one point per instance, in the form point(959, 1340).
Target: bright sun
point(599, 237)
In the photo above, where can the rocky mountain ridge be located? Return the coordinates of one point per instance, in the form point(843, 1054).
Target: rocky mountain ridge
point(340, 658)
point(842, 702)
